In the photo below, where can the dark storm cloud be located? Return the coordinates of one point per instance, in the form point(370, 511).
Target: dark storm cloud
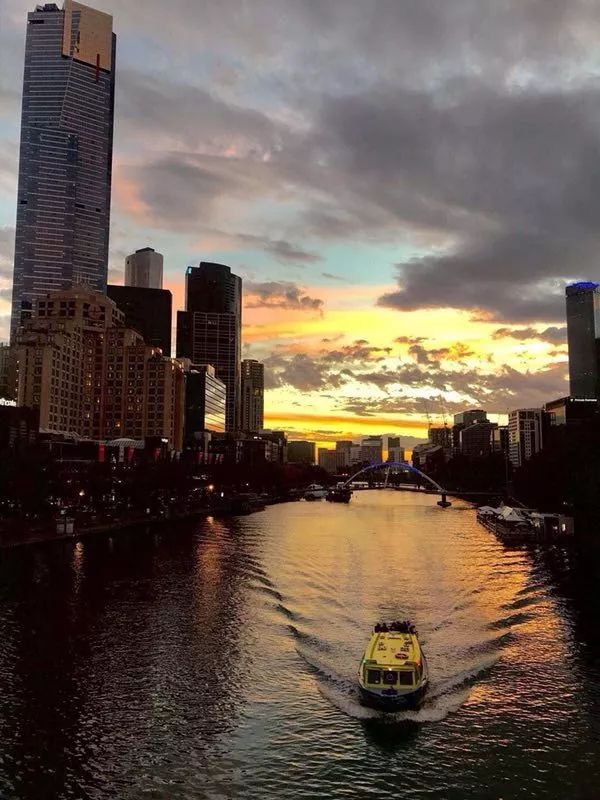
point(510, 177)
point(465, 129)
point(280, 294)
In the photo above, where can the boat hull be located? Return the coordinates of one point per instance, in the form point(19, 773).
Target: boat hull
point(393, 702)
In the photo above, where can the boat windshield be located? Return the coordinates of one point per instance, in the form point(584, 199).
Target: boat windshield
point(406, 677)
point(373, 676)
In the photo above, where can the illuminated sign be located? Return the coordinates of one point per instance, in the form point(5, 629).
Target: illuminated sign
point(5, 402)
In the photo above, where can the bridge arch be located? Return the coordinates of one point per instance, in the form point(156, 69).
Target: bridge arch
point(404, 465)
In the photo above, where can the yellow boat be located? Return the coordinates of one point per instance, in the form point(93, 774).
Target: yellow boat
point(393, 673)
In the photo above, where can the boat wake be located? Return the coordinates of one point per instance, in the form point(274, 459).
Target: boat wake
point(444, 696)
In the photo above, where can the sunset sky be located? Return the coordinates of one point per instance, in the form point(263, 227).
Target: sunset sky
point(405, 188)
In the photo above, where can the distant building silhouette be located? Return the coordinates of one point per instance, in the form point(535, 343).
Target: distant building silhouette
point(253, 396)
point(583, 334)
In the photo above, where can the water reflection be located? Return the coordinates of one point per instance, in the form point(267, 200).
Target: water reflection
point(219, 660)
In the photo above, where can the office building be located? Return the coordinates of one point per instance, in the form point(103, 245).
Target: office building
point(209, 330)
point(583, 332)
point(396, 452)
point(144, 269)
point(253, 396)
point(462, 421)
point(8, 373)
point(278, 442)
point(343, 448)
point(91, 376)
point(427, 457)
point(146, 310)
point(525, 434)
point(301, 452)
point(477, 440)
point(371, 449)
point(205, 402)
point(328, 459)
point(572, 410)
point(64, 184)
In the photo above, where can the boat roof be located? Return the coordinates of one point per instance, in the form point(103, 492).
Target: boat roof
point(392, 649)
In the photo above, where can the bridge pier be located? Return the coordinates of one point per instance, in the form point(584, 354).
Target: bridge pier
point(443, 503)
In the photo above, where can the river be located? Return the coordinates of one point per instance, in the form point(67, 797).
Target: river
point(218, 660)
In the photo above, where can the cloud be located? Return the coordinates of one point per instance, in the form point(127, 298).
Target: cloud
point(7, 246)
point(280, 294)
point(553, 335)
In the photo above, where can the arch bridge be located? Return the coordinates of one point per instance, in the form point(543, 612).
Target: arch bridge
point(401, 466)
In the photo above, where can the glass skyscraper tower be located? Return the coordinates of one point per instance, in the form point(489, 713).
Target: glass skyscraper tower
point(63, 201)
point(583, 333)
point(209, 330)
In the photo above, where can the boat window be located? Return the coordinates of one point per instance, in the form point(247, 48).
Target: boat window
point(406, 677)
point(390, 677)
point(373, 676)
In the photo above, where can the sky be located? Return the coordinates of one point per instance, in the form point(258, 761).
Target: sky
point(405, 188)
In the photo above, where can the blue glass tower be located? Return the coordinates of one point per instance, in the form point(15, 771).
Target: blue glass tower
point(63, 200)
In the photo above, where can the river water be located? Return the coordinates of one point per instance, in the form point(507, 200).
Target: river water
point(218, 660)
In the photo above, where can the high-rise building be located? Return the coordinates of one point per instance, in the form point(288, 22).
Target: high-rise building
point(205, 402)
point(301, 452)
point(253, 396)
point(477, 440)
point(572, 411)
point(371, 449)
point(328, 459)
point(396, 453)
point(144, 269)
point(583, 334)
point(64, 188)
point(525, 434)
point(8, 372)
point(209, 330)
point(89, 375)
point(147, 311)
point(464, 420)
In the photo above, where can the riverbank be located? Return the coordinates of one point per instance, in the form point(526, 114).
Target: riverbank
point(242, 505)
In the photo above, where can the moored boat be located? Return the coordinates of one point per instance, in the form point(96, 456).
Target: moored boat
point(315, 492)
point(339, 494)
point(393, 673)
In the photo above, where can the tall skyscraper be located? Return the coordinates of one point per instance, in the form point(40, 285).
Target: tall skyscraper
point(63, 200)
point(253, 395)
point(144, 268)
point(583, 334)
point(525, 434)
point(149, 311)
point(209, 331)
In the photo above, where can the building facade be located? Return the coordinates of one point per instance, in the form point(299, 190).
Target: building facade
point(328, 459)
point(92, 377)
point(371, 449)
point(477, 440)
point(146, 310)
point(572, 410)
point(144, 269)
point(525, 434)
point(301, 452)
point(8, 373)
point(464, 420)
point(583, 334)
point(253, 396)
point(65, 162)
point(396, 452)
point(209, 330)
point(205, 403)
